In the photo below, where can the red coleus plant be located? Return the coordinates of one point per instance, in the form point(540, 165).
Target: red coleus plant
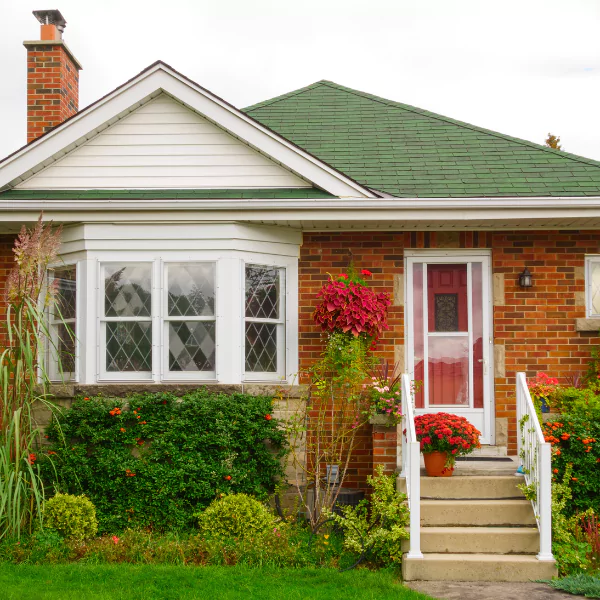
point(349, 306)
point(443, 432)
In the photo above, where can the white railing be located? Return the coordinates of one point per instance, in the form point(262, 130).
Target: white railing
point(411, 468)
point(536, 460)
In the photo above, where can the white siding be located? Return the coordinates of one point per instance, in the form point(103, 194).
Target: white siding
point(163, 145)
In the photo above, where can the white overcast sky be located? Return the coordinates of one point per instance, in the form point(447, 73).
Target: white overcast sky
point(521, 67)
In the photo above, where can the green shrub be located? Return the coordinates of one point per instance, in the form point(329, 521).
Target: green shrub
point(73, 517)
point(380, 530)
point(575, 440)
point(157, 459)
point(236, 516)
point(576, 400)
point(570, 552)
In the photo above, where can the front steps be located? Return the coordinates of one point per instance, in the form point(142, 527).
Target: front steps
point(476, 528)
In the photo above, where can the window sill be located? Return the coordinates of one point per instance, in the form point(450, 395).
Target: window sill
point(122, 390)
point(587, 324)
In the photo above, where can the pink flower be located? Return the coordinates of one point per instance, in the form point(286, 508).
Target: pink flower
point(115, 539)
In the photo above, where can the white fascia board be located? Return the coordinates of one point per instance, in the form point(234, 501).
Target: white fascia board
point(86, 125)
point(337, 208)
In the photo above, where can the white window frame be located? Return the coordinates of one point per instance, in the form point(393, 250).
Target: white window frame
point(102, 320)
point(166, 374)
point(281, 323)
point(590, 261)
point(54, 374)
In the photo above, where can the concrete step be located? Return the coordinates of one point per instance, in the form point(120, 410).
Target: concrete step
point(476, 567)
point(480, 487)
point(474, 540)
point(476, 513)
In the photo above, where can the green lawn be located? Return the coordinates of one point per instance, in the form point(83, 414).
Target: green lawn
point(145, 582)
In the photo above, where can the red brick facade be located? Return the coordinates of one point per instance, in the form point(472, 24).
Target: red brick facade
point(52, 87)
point(536, 326)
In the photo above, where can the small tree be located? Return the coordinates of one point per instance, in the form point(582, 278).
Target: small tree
point(23, 379)
point(324, 430)
point(553, 142)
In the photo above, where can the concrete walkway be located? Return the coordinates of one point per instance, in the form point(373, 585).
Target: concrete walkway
point(468, 590)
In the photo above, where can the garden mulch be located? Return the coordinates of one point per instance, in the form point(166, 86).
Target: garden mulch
point(468, 590)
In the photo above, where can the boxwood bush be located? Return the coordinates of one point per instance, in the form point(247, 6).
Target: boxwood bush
point(156, 459)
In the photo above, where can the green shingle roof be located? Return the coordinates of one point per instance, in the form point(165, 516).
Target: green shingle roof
point(410, 152)
point(257, 194)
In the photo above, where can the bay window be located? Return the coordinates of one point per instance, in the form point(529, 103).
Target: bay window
point(224, 316)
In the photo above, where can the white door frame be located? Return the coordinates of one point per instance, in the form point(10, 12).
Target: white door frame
point(483, 257)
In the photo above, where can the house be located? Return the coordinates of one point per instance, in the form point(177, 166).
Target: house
point(180, 210)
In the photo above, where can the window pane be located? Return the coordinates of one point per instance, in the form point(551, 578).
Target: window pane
point(191, 346)
point(129, 346)
point(127, 290)
point(447, 297)
point(191, 290)
point(262, 292)
point(65, 347)
point(66, 293)
point(595, 270)
point(261, 347)
point(448, 365)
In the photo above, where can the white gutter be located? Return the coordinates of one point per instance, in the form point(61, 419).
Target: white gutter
point(370, 205)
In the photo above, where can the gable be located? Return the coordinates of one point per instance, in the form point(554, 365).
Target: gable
point(409, 152)
point(218, 124)
point(163, 145)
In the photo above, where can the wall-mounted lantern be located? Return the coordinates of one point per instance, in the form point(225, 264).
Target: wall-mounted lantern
point(525, 280)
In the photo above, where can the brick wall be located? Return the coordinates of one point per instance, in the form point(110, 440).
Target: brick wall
point(52, 87)
point(6, 264)
point(536, 326)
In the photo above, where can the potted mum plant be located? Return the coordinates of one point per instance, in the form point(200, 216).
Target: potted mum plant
point(444, 437)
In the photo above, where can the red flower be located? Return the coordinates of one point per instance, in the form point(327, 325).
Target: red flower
point(164, 401)
point(366, 273)
point(32, 458)
point(268, 417)
point(115, 539)
point(227, 477)
point(86, 398)
point(123, 430)
point(343, 276)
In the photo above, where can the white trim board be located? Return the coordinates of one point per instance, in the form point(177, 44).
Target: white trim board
point(157, 79)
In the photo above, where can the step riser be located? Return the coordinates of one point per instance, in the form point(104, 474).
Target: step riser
point(473, 513)
point(449, 568)
point(467, 487)
point(452, 540)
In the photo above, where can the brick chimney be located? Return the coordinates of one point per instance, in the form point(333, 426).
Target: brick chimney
point(52, 76)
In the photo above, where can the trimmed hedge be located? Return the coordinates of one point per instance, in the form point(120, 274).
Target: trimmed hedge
point(156, 459)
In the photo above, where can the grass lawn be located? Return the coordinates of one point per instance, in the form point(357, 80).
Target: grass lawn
point(145, 582)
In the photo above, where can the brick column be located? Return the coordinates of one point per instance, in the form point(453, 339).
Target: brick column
point(385, 448)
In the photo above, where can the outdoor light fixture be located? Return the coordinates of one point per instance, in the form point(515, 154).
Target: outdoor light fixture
point(525, 279)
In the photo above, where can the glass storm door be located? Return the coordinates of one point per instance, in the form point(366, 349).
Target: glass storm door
point(448, 324)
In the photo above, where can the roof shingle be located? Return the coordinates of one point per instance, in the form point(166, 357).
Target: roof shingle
point(410, 152)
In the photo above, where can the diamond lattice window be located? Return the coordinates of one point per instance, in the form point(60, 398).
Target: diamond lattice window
point(63, 313)
point(190, 318)
point(594, 288)
point(265, 325)
point(127, 322)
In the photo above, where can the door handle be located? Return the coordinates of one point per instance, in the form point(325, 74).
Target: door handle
point(485, 365)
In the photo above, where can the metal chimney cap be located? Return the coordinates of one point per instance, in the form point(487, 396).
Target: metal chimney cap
point(51, 17)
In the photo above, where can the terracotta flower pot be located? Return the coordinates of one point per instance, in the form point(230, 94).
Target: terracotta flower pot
point(435, 464)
